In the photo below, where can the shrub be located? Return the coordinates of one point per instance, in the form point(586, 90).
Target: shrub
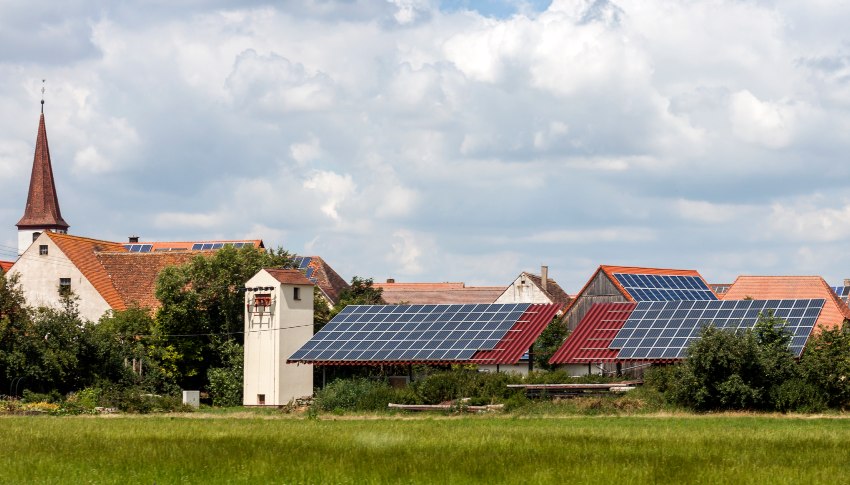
point(226, 382)
point(826, 364)
point(798, 395)
point(355, 395)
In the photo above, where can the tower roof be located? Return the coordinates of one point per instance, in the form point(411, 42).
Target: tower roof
point(42, 209)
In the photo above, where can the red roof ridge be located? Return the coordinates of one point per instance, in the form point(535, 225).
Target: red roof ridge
point(289, 276)
point(42, 209)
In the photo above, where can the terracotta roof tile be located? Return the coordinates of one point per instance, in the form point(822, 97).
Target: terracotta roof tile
point(328, 280)
point(134, 274)
point(791, 287)
point(289, 276)
point(42, 209)
point(82, 252)
point(435, 293)
point(520, 337)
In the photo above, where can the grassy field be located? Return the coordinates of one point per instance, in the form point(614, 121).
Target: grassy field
point(259, 449)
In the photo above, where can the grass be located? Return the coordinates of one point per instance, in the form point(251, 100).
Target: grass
point(264, 448)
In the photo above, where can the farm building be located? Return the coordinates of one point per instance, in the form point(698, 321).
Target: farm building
point(611, 284)
point(278, 321)
point(835, 311)
point(532, 288)
point(328, 281)
point(625, 337)
point(496, 335)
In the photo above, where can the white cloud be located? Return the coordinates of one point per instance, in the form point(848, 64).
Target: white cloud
point(765, 123)
point(306, 151)
point(406, 253)
point(813, 220)
point(335, 189)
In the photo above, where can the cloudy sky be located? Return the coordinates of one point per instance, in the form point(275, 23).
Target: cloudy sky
point(444, 141)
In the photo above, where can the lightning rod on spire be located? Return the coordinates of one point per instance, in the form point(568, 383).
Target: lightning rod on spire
point(42, 95)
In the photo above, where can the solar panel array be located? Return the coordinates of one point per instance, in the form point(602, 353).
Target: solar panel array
point(663, 330)
point(207, 246)
point(303, 265)
point(651, 287)
point(843, 292)
point(139, 248)
point(414, 333)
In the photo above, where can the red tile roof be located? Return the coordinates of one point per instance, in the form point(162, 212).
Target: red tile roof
point(328, 280)
point(590, 340)
point(42, 209)
point(792, 287)
point(520, 337)
point(289, 276)
point(436, 293)
point(5, 266)
point(134, 274)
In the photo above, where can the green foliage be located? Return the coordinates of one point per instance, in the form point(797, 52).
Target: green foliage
point(360, 292)
point(203, 299)
point(359, 395)
point(751, 369)
point(455, 384)
point(826, 364)
point(226, 382)
point(549, 341)
point(321, 310)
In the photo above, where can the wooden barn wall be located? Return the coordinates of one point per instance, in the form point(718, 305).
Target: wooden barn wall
point(600, 290)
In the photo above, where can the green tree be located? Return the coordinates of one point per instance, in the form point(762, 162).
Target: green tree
point(202, 307)
point(360, 292)
point(226, 381)
point(826, 364)
point(728, 369)
point(550, 340)
point(321, 310)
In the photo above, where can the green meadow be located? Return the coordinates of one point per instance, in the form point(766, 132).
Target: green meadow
point(466, 449)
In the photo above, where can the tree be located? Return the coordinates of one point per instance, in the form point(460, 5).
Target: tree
point(550, 340)
point(360, 292)
point(202, 307)
point(321, 310)
point(727, 369)
point(826, 364)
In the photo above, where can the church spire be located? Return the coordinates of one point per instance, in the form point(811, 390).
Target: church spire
point(42, 211)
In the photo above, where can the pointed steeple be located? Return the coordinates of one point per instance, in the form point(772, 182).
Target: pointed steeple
point(42, 211)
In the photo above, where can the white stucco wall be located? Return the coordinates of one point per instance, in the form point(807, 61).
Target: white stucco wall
point(40, 274)
point(523, 290)
point(270, 340)
point(577, 370)
point(521, 368)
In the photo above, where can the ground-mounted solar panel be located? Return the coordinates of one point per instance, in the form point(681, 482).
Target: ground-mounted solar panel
point(664, 329)
point(410, 333)
point(651, 287)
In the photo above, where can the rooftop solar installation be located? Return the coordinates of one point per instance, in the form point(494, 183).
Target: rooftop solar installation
point(652, 287)
point(139, 248)
point(663, 330)
point(413, 333)
point(210, 246)
point(843, 292)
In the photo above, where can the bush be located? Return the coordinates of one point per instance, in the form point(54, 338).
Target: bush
point(798, 395)
point(358, 395)
point(483, 387)
point(826, 364)
point(136, 400)
point(226, 382)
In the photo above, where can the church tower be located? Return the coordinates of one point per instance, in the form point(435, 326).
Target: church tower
point(42, 212)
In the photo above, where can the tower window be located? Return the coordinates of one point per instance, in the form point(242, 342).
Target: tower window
point(64, 286)
point(42, 249)
point(296, 293)
point(35, 235)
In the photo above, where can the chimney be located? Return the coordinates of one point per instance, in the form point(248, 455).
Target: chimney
point(134, 239)
point(544, 278)
point(390, 280)
point(846, 281)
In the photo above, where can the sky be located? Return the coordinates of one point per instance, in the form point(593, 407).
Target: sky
point(444, 141)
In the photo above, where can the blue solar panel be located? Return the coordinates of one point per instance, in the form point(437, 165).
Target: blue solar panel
point(650, 287)
point(843, 292)
point(664, 329)
point(372, 333)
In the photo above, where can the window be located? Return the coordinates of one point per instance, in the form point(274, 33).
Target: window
point(296, 293)
point(261, 399)
point(35, 235)
point(42, 249)
point(64, 286)
point(262, 303)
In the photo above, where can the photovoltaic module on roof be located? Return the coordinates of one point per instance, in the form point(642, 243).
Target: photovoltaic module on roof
point(843, 292)
point(651, 287)
point(411, 333)
point(663, 330)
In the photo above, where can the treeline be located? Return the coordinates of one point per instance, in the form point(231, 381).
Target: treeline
point(755, 370)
